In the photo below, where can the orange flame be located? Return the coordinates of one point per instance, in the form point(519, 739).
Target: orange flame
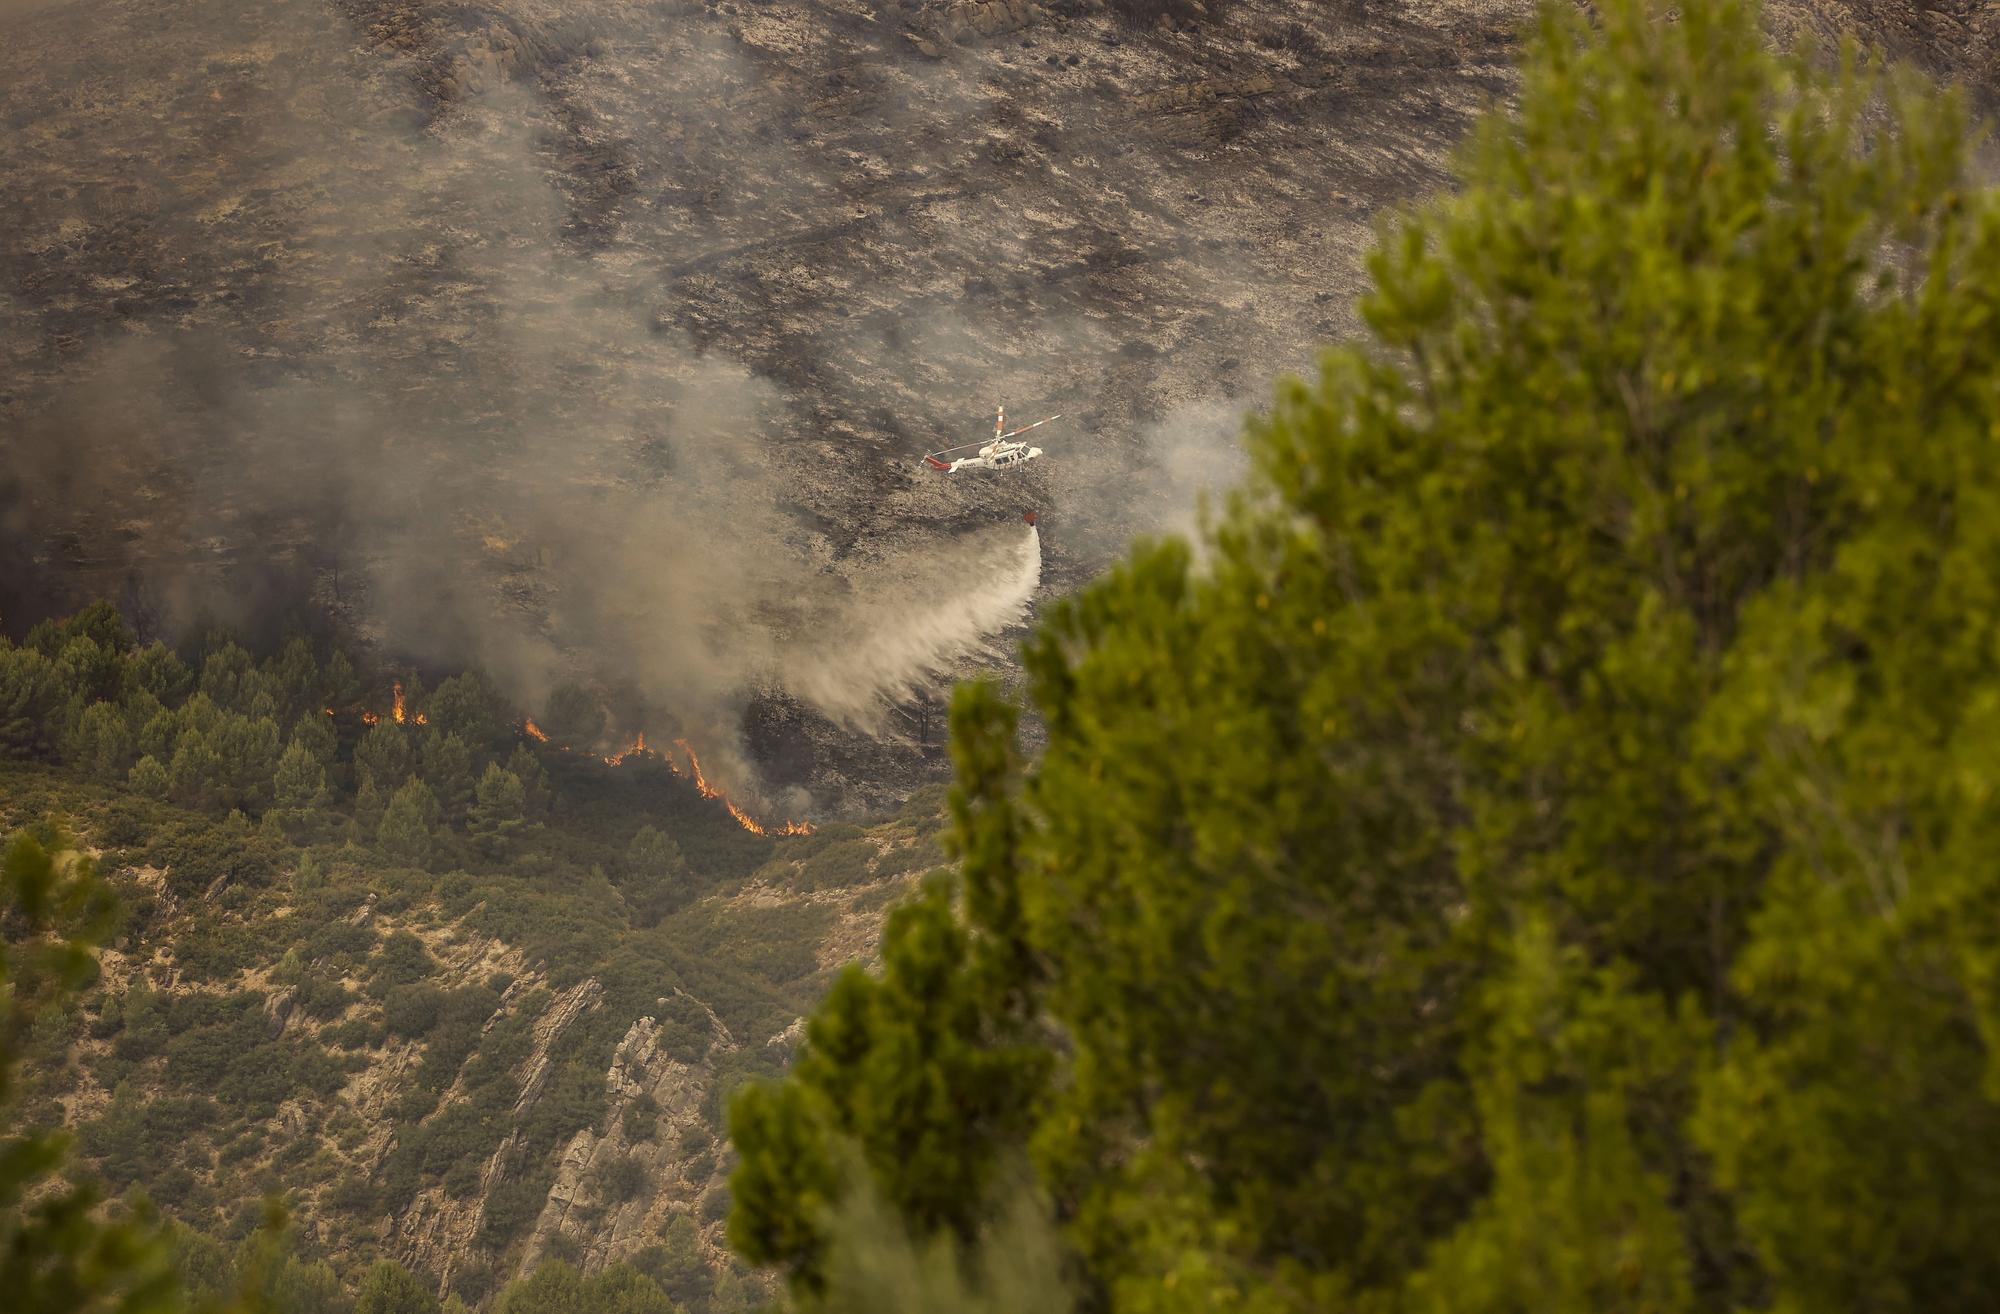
point(370, 718)
point(420, 718)
point(397, 712)
point(636, 746)
point(706, 790)
point(700, 782)
point(743, 818)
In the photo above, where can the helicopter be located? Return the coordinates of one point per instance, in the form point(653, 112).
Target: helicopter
point(998, 454)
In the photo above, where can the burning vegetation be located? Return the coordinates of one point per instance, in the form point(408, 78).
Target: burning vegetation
point(692, 772)
point(403, 714)
point(743, 818)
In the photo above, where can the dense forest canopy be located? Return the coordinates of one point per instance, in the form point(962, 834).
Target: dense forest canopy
point(1535, 850)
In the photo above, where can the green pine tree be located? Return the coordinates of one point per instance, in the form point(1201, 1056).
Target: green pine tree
point(30, 700)
point(385, 753)
point(409, 824)
point(467, 705)
point(368, 807)
point(314, 732)
point(158, 671)
point(99, 744)
point(300, 781)
point(534, 778)
point(573, 716)
point(498, 815)
point(293, 681)
point(149, 778)
point(1537, 854)
point(389, 1288)
point(448, 771)
point(248, 751)
point(227, 677)
point(339, 686)
point(89, 671)
point(195, 775)
point(102, 625)
point(61, 1249)
point(928, 1071)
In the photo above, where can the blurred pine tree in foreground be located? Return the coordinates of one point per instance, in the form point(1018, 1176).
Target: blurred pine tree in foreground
point(1537, 851)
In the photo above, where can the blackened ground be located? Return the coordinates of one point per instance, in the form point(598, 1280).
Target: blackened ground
point(341, 303)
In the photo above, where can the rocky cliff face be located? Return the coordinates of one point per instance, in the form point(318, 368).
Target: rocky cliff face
point(436, 1232)
point(603, 1230)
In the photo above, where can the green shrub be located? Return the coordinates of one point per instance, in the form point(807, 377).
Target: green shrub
point(918, 856)
point(134, 1133)
point(455, 1034)
point(217, 950)
point(512, 1206)
point(195, 852)
point(412, 1010)
point(802, 847)
point(641, 1119)
point(837, 865)
point(354, 1194)
point(355, 1033)
point(245, 1147)
point(339, 943)
point(877, 899)
point(172, 1187)
point(401, 960)
point(323, 999)
point(620, 1178)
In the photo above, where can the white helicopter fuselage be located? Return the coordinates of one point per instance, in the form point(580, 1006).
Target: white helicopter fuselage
point(996, 456)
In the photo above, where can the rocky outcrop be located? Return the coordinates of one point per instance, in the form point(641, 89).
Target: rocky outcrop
point(278, 1010)
point(562, 1015)
point(437, 1231)
point(986, 18)
point(964, 21)
point(671, 1179)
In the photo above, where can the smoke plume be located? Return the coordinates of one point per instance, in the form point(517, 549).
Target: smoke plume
point(598, 350)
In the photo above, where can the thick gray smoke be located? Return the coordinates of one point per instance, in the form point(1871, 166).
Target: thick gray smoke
point(454, 346)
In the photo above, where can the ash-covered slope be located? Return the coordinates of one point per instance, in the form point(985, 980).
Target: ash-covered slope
point(607, 337)
point(600, 338)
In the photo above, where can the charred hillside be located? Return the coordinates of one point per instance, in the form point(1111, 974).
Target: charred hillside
point(603, 339)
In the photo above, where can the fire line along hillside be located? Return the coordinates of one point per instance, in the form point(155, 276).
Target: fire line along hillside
point(409, 308)
point(485, 325)
point(470, 1001)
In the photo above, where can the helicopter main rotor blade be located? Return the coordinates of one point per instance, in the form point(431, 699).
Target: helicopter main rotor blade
point(1036, 425)
point(961, 447)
